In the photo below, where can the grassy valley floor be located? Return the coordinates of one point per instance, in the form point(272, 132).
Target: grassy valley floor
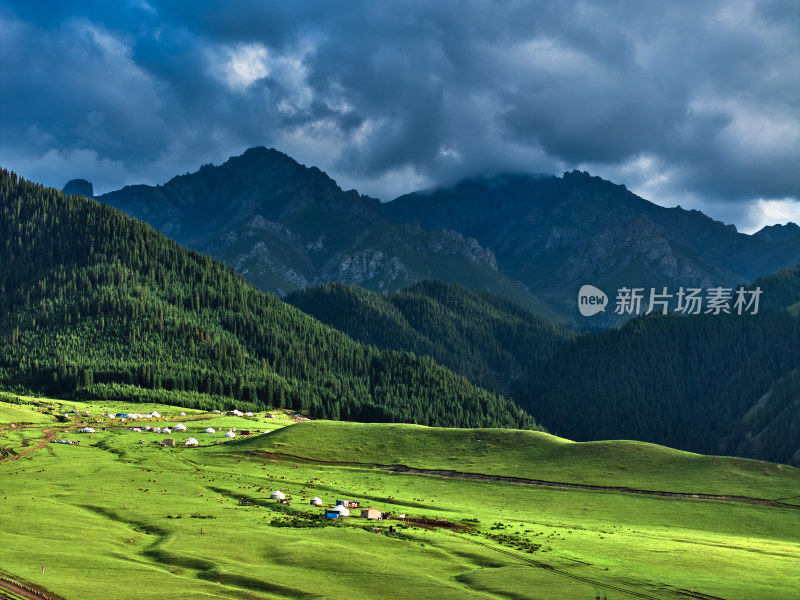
point(112, 517)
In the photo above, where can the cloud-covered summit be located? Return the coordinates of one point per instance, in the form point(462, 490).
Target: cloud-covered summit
point(691, 103)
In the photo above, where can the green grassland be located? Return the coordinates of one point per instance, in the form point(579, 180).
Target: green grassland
point(10, 413)
point(114, 518)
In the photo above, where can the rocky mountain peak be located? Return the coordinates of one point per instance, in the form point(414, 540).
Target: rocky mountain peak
point(778, 233)
point(79, 187)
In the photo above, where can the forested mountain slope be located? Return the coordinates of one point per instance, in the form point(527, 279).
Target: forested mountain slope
point(716, 384)
point(94, 303)
point(489, 340)
point(701, 383)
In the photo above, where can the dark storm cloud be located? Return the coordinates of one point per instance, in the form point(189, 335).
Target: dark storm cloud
point(682, 101)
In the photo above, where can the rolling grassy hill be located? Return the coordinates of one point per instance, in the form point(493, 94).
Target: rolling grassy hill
point(531, 455)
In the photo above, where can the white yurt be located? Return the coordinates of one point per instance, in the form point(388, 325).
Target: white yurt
point(87, 430)
point(278, 495)
point(180, 427)
point(230, 434)
point(343, 512)
point(183, 414)
point(316, 501)
point(249, 414)
point(191, 442)
point(166, 430)
point(211, 430)
point(154, 415)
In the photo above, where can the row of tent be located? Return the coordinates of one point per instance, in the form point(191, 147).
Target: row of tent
point(340, 509)
point(230, 433)
point(194, 442)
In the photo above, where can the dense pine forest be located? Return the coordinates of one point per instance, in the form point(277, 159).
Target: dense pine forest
point(489, 340)
point(96, 304)
point(709, 384)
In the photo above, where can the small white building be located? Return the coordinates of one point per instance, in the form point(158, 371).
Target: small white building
point(180, 427)
point(154, 415)
point(230, 434)
point(316, 501)
point(166, 430)
point(211, 430)
point(183, 414)
point(343, 512)
point(249, 414)
point(278, 495)
point(87, 430)
point(191, 442)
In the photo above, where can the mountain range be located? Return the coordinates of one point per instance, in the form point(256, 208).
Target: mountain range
point(531, 239)
point(285, 226)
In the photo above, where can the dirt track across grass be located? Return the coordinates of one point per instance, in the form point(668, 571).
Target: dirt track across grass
point(49, 434)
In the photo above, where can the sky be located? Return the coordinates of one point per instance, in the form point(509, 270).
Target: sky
point(687, 103)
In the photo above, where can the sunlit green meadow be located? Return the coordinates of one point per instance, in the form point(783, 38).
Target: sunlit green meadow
point(116, 518)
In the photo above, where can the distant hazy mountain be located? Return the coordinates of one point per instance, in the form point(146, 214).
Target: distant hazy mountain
point(79, 187)
point(285, 226)
point(557, 233)
point(778, 233)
